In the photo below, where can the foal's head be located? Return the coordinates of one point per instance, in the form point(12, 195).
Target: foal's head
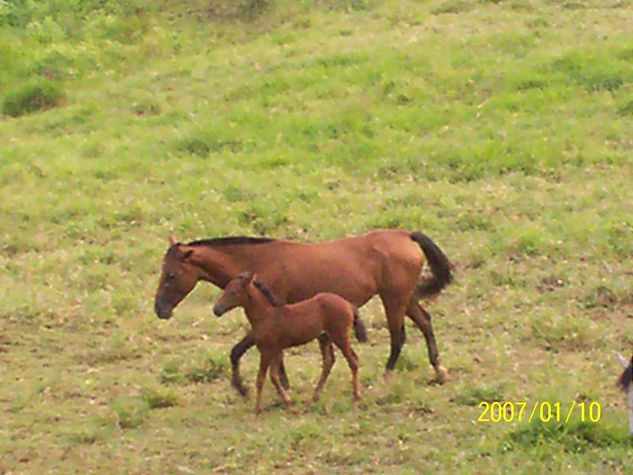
point(178, 277)
point(236, 293)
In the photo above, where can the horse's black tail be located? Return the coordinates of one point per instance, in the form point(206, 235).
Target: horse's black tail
point(359, 327)
point(440, 267)
point(626, 378)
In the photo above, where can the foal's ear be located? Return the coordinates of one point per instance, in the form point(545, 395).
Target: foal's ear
point(248, 276)
point(172, 239)
point(186, 255)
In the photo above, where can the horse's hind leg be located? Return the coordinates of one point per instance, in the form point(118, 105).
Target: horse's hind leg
point(327, 352)
point(423, 320)
point(283, 378)
point(352, 359)
point(395, 321)
point(274, 376)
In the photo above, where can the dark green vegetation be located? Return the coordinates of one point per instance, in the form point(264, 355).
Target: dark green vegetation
point(502, 129)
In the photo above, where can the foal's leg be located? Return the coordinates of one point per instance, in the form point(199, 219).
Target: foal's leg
point(264, 363)
point(274, 376)
point(423, 320)
point(282, 374)
point(342, 341)
point(327, 352)
point(236, 353)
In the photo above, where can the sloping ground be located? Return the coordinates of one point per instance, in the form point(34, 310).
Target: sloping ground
point(501, 129)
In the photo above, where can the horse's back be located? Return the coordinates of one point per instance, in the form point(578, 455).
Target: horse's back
point(389, 258)
point(301, 322)
point(355, 268)
point(333, 302)
point(322, 306)
point(320, 301)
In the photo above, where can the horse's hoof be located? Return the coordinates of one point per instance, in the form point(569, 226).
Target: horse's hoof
point(243, 390)
point(388, 375)
point(442, 374)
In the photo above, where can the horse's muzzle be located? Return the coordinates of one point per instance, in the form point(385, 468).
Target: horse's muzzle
point(219, 309)
point(163, 311)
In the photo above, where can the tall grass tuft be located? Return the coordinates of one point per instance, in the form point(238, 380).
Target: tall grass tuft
point(578, 438)
point(32, 97)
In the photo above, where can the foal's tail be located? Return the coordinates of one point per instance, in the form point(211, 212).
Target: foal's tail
point(440, 267)
point(359, 327)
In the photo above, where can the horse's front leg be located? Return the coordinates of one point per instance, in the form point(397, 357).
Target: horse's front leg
point(236, 353)
point(264, 363)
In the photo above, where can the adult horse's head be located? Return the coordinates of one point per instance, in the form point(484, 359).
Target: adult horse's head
point(178, 277)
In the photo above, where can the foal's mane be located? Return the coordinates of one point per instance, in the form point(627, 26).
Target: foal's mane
point(230, 241)
point(274, 301)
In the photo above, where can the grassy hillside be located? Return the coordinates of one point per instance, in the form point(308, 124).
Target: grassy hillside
point(502, 129)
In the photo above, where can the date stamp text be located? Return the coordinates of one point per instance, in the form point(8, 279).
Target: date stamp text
point(543, 411)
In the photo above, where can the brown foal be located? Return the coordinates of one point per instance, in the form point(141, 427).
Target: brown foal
point(276, 326)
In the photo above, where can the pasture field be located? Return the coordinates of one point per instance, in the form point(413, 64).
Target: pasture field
point(500, 128)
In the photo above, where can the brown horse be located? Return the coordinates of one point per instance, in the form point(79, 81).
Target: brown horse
point(386, 262)
point(276, 326)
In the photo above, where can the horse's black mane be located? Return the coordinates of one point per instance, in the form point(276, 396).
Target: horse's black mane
point(274, 301)
point(231, 241)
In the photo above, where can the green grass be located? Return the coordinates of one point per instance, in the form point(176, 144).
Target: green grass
point(32, 98)
point(499, 128)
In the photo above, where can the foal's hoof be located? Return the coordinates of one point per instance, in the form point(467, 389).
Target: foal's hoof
point(442, 374)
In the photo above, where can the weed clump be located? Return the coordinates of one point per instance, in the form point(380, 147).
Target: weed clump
point(473, 396)
point(626, 109)
point(131, 412)
point(146, 108)
point(453, 6)
point(159, 398)
point(31, 98)
point(575, 438)
point(244, 10)
point(251, 8)
point(206, 373)
point(210, 370)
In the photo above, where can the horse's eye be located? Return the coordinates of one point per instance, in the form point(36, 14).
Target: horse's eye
point(232, 293)
point(171, 275)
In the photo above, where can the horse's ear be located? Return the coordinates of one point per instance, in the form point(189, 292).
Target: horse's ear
point(172, 239)
point(249, 275)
